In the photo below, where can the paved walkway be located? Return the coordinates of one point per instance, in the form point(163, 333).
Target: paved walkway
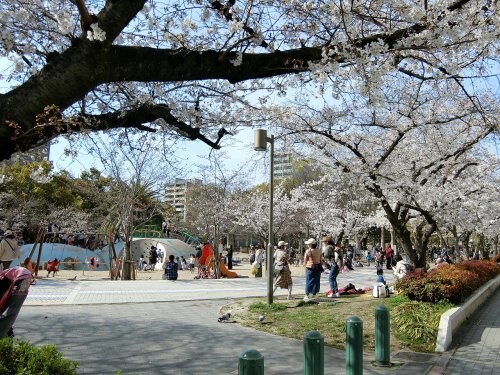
point(50, 291)
point(163, 327)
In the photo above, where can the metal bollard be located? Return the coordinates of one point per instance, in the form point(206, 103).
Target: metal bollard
point(251, 362)
point(382, 337)
point(314, 353)
point(354, 346)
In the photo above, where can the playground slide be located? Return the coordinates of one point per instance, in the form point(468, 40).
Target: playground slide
point(225, 272)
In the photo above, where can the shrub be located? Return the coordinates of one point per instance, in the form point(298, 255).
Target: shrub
point(416, 324)
point(453, 283)
point(18, 357)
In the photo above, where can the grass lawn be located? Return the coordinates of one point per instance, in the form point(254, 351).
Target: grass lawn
point(295, 318)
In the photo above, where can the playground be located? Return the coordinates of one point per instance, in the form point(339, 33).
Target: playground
point(241, 268)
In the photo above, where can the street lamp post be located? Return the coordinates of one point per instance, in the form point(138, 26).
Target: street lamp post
point(260, 140)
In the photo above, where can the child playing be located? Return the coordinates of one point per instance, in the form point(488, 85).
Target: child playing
point(191, 263)
point(380, 279)
point(369, 257)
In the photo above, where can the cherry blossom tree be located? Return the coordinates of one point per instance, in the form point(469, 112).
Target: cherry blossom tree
point(472, 205)
point(402, 150)
point(209, 204)
point(198, 69)
point(336, 205)
point(138, 176)
point(251, 211)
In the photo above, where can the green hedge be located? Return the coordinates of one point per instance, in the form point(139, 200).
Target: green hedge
point(22, 358)
point(448, 283)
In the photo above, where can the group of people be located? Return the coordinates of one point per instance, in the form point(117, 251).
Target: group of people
point(174, 264)
point(314, 261)
point(166, 228)
point(330, 257)
point(156, 255)
point(55, 234)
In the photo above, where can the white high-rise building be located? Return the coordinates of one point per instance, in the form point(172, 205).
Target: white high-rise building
point(175, 194)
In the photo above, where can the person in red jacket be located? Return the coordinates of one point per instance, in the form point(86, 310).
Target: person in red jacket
point(389, 253)
point(52, 266)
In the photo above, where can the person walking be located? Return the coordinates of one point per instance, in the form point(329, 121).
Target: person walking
point(312, 263)
point(9, 249)
point(332, 261)
point(229, 257)
point(368, 257)
point(169, 228)
point(259, 258)
point(389, 253)
point(251, 254)
point(284, 276)
point(379, 258)
point(153, 257)
point(192, 260)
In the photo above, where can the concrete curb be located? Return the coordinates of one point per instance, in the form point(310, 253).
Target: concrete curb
point(453, 318)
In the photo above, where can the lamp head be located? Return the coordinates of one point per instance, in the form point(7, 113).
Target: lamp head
point(260, 140)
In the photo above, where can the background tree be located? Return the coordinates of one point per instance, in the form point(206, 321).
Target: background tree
point(33, 196)
point(138, 177)
point(189, 68)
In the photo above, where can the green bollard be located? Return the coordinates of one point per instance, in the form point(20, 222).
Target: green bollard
point(354, 346)
point(382, 337)
point(314, 353)
point(251, 362)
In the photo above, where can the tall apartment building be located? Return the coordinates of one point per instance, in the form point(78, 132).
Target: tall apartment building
point(175, 194)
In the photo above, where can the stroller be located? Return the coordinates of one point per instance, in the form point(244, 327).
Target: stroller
point(204, 269)
point(14, 286)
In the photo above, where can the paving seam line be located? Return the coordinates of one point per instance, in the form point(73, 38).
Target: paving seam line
point(73, 295)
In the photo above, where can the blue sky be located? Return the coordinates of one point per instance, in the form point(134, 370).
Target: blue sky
point(237, 156)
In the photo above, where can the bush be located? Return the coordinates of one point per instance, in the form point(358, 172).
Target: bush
point(416, 324)
point(453, 283)
point(22, 358)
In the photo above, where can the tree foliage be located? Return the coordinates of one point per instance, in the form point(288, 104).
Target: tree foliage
point(189, 67)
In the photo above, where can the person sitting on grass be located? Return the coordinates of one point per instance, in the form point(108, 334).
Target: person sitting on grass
point(380, 280)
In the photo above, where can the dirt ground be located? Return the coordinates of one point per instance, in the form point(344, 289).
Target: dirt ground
point(242, 268)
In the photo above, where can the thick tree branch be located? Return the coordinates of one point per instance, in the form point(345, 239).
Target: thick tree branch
point(52, 124)
point(86, 19)
point(70, 75)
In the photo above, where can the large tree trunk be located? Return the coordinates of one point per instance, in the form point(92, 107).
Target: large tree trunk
point(481, 246)
point(423, 234)
point(465, 244)
point(398, 219)
point(494, 245)
point(340, 238)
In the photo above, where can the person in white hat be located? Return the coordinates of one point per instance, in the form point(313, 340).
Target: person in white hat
point(314, 268)
point(283, 276)
point(9, 249)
